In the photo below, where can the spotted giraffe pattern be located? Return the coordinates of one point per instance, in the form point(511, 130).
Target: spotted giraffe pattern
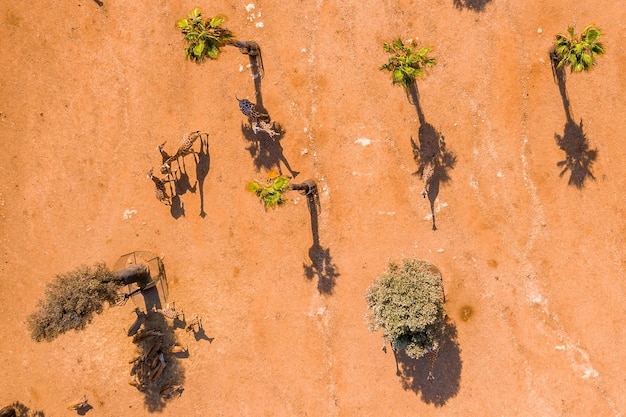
point(185, 148)
point(159, 189)
point(258, 121)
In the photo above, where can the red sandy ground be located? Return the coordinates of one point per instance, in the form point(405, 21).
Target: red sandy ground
point(88, 93)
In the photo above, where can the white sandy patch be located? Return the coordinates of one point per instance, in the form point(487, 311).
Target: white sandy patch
point(363, 141)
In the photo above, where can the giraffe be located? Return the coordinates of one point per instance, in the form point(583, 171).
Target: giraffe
point(185, 148)
point(160, 191)
point(258, 121)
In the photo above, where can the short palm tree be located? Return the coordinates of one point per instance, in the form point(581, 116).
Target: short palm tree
point(271, 194)
point(407, 62)
point(579, 54)
point(205, 38)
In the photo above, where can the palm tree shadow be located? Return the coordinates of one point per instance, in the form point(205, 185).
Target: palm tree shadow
point(475, 5)
point(202, 168)
point(579, 158)
point(21, 410)
point(446, 370)
point(266, 151)
point(321, 261)
point(430, 152)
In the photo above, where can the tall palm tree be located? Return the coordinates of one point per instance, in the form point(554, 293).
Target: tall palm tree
point(205, 38)
point(578, 53)
point(407, 62)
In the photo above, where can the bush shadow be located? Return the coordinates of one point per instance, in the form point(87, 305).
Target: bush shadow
point(321, 265)
point(430, 153)
point(579, 157)
point(153, 350)
point(445, 374)
point(475, 5)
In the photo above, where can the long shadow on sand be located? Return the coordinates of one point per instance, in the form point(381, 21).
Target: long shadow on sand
point(579, 158)
point(430, 153)
point(203, 164)
point(446, 371)
point(265, 149)
point(321, 261)
point(155, 370)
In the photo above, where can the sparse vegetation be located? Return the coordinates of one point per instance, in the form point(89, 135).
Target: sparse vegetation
point(579, 53)
point(407, 62)
point(271, 193)
point(407, 302)
point(205, 38)
point(72, 299)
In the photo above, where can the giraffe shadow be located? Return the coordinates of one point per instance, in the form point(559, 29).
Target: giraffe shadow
point(446, 370)
point(177, 209)
point(266, 151)
point(430, 150)
point(579, 157)
point(182, 183)
point(321, 265)
point(202, 169)
point(474, 5)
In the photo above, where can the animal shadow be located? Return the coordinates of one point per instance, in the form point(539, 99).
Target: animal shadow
point(266, 151)
point(431, 155)
point(475, 5)
point(446, 370)
point(579, 157)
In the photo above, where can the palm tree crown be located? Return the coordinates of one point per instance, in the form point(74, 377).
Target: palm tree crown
point(406, 62)
point(580, 53)
point(204, 38)
point(270, 194)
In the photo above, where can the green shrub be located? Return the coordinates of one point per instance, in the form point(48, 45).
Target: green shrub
point(71, 300)
point(579, 53)
point(407, 302)
point(407, 62)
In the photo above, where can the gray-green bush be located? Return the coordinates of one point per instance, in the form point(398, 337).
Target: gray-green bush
point(407, 302)
point(71, 299)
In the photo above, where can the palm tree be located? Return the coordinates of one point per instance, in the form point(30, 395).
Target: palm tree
point(272, 193)
point(205, 38)
point(579, 54)
point(407, 62)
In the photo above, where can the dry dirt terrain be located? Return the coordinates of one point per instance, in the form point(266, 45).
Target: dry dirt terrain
point(530, 213)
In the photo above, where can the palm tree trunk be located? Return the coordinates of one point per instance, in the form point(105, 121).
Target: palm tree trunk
point(247, 47)
point(307, 187)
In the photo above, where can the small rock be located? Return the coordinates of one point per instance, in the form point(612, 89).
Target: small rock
point(539, 30)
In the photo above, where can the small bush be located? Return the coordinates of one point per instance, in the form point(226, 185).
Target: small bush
point(407, 302)
point(71, 300)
